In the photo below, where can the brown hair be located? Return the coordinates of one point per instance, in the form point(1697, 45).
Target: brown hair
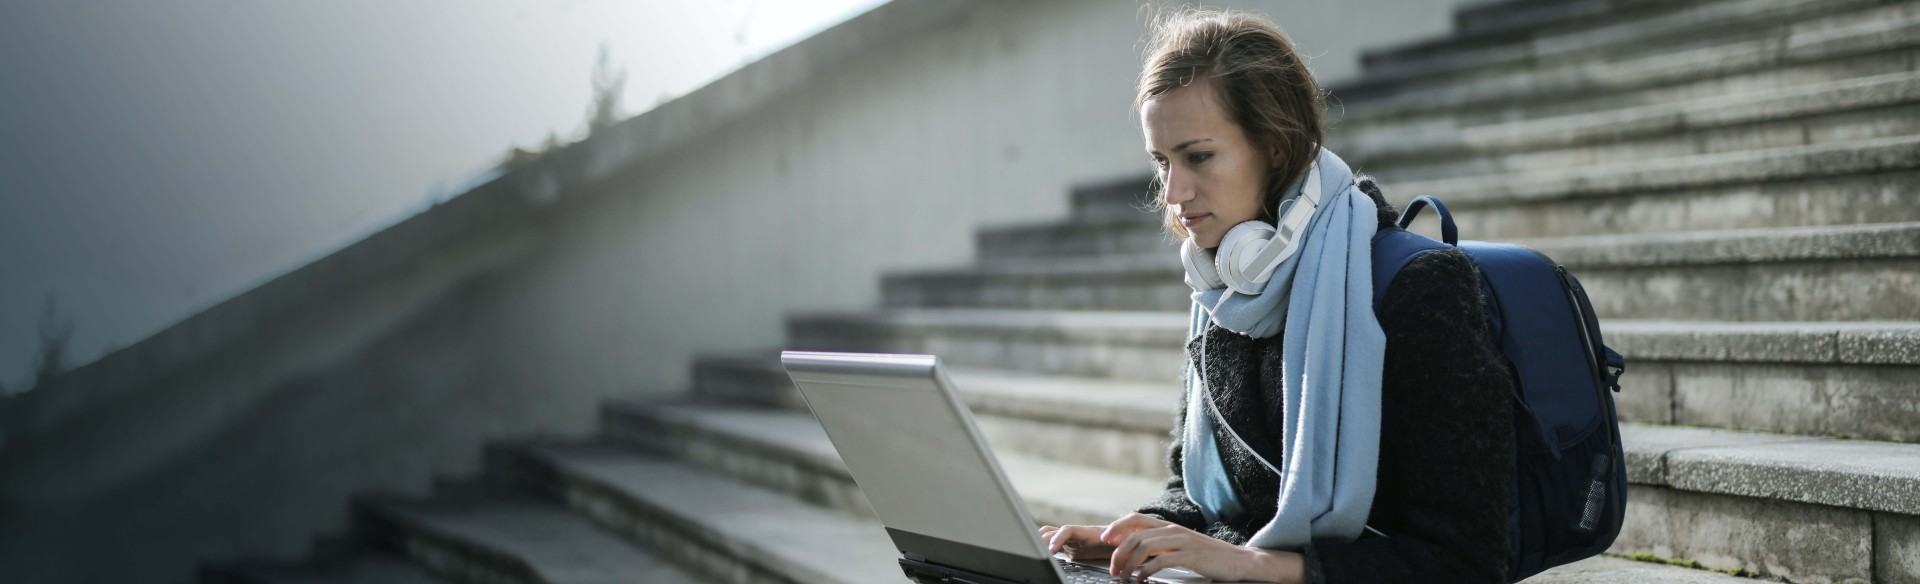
point(1263, 83)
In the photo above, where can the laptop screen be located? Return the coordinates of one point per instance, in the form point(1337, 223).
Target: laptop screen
point(913, 449)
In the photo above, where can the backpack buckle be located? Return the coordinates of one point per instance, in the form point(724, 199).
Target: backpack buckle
point(1616, 366)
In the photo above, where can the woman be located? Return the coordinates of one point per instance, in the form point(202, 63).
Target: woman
point(1232, 120)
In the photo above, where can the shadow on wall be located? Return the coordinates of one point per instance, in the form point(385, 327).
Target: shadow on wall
point(263, 475)
point(56, 334)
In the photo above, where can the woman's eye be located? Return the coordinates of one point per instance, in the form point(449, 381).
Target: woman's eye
point(1199, 158)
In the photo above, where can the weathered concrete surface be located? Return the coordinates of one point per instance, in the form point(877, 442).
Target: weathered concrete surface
point(1852, 474)
point(1896, 548)
point(599, 270)
point(1874, 402)
point(513, 539)
point(1795, 541)
point(732, 531)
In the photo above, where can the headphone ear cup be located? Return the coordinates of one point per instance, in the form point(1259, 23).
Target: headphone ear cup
point(1200, 269)
point(1241, 244)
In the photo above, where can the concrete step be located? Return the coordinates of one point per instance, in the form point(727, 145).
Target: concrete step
point(469, 537)
point(1672, 28)
point(1882, 106)
point(788, 451)
point(750, 444)
point(1132, 345)
point(1146, 345)
point(764, 535)
point(363, 567)
point(1832, 379)
point(1824, 201)
point(1877, 476)
point(1751, 167)
point(1076, 237)
point(1124, 197)
point(1604, 569)
point(1874, 485)
point(1546, 30)
point(1803, 509)
point(1103, 423)
point(1855, 43)
point(1864, 272)
point(736, 532)
point(1837, 183)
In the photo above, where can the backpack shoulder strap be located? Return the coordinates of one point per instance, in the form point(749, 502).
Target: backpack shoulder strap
point(1394, 248)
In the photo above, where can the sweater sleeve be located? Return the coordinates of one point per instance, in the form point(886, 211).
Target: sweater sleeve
point(1173, 504)
point(1445, 476)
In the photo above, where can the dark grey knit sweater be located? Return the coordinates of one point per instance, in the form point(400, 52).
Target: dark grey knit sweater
point(1446, 438)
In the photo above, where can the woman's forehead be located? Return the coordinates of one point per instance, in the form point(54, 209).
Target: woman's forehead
point(1181, 116)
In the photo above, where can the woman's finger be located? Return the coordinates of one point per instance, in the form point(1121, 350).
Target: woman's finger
point(1135, 549)
point(1129, 523)
point(1068, 535)
point(1171, 559)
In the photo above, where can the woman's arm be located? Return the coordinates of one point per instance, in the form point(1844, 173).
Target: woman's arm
point(1173, 504)
point(1445, 475)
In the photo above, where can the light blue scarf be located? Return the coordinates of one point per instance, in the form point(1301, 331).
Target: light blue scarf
point(1334, 352)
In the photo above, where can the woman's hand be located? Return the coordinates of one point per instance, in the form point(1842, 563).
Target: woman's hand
point(1081, 542)
point(1149, 545)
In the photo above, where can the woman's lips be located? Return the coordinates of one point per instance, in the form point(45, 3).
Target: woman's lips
point(1191, 221)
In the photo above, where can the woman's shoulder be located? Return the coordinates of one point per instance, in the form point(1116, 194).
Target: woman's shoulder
point(1440, 286)
point(1446, 270)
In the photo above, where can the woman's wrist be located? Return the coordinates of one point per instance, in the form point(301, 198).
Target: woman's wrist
point(1280, 566)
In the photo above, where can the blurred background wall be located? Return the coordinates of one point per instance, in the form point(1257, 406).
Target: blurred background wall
point(786, 186)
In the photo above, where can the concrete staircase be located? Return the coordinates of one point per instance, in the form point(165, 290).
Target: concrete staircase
point(1737, 183)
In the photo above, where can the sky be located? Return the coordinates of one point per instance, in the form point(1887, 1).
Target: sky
point(157, 158)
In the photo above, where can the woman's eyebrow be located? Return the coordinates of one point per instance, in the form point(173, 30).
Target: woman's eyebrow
point(1183, 145)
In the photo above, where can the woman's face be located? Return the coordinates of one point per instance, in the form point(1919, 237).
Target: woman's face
point(1213, 176)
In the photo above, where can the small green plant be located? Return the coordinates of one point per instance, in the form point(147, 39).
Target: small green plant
point(603, 111)
point(55, 333)
point(607, 84)
point(1684, 563)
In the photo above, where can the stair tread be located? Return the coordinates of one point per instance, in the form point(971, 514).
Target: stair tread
point(747, 521)
point(1665, 173)
point(990, 391)
point(1841, 472)
point(1044, 483)
point(1855, 474)
point(1066, 323)
point(361, 567)
point(1465, 50)
point(770, 526)
point(1827, 37)
point(547, 540)
point(1764, 244)
point(1448, 139)
point(1613, 570)
point(1677, 172)
point(1846, 342)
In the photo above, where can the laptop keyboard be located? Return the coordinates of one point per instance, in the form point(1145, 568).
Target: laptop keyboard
point(1085, 574)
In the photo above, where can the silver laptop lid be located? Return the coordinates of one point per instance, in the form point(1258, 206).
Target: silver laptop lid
point(913, 449)
point(911, 445)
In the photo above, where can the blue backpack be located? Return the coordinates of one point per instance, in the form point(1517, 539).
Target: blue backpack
point(1570, 473)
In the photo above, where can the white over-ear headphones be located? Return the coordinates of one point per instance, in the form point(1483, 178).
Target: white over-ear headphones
point(1251, 250)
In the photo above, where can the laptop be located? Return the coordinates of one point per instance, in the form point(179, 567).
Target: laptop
point(913, 448)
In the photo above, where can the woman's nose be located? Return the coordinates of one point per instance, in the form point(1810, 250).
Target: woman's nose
point(1173, 189)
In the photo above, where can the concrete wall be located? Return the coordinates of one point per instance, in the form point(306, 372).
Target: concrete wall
point(790, 186)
